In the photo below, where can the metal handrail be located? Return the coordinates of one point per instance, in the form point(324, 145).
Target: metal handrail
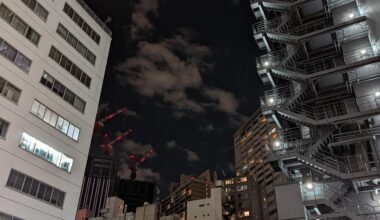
point(95, 17)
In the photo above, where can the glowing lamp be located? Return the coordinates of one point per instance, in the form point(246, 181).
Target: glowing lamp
point(309, 186)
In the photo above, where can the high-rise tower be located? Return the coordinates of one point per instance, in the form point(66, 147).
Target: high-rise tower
point(321, 58)
point(53, 56)
point(251, 151)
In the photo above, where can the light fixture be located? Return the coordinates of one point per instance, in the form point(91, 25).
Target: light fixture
point(377, 94)
point(364, 51)
point(277, 143)
point(309, 186)
point(351, 15)
point(271, 100)
point(266, 63)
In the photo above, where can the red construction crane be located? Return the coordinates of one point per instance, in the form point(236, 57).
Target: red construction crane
point(133, 161)
point(107, 147)
point(99, 124)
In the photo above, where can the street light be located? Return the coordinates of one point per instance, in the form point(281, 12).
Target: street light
point(277, 143)
point(309, 186)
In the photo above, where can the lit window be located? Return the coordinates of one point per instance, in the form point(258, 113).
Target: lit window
point(55, 120)
point(45, 152)
point(246, 213)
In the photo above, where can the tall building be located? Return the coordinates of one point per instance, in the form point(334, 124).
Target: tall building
point(240, 197)
point(98, 184)
point(135, 193)
point(251, 152)
point(189, 188)
point(321, 59)
point(53, 56)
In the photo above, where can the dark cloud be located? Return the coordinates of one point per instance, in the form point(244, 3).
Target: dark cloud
point(225, 101)
point(191, 156)
point(141, 24)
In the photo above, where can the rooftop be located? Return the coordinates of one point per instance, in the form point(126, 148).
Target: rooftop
point(95, 17)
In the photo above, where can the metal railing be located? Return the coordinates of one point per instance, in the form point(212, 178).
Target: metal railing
point(95, 17)
point(334, 194)
point(280, 95)
point(356, 133)
point(336, 3)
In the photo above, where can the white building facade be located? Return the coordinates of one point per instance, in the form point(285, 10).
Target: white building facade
point(207, 209)
point(53, 56)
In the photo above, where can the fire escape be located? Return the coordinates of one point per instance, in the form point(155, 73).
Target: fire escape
point(321, 62)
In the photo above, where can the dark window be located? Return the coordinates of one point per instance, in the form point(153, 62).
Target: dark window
point(81, 23)
point(67, 64)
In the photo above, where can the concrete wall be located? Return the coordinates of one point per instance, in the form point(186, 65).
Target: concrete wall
point(286, 209)
point(206, 209)
point(11, 155)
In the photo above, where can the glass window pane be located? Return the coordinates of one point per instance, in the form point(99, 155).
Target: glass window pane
point(19, 181)
point(27, 142)
point(61, 198)
point(53, 119)
point(41, 111)
point(19, 25)
point(65, 126)
point(41, 191)
point(48, 193)
point(35, 107)
point(27, 185)
point(9, 52)
point(2, 85)
point(70, 131)
point(59, 125)
point(54, 197)
point(76, 134)
point(54, 156)
point(3, 128)
point(47, 116)
point(33, 36)
point(41, 150)
point(34, 188)
point(41, 12)
point(12, 178)
point(66, 163)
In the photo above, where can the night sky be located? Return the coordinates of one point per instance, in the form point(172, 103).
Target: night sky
point(185, 69)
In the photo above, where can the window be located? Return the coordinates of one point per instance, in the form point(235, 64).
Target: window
point(45, 152)
point(19, 25)
point(61, 90)
point(34, 188)
point(73, 69)
point(13, 55)
point(76, 44)
point(37, 8)
point(9, 91)
point(8, 217)
point(53, 119)
point(81, 23)
point(3, 127)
